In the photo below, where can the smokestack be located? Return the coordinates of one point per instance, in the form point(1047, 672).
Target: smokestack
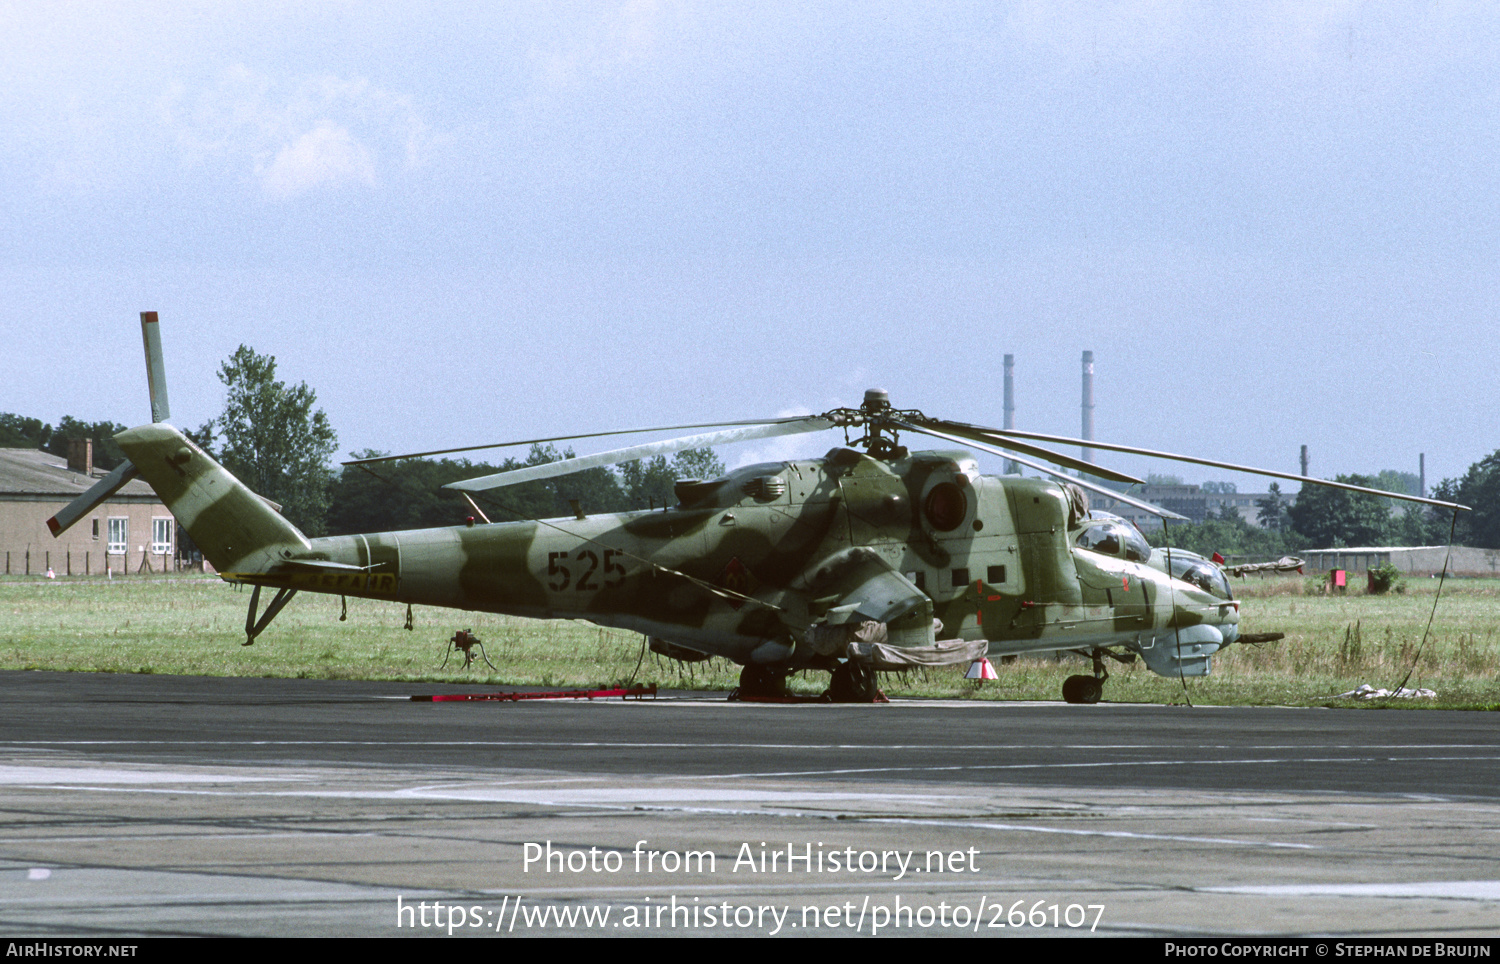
point(1422, 474)
point(81, 455)
point(1010, 391)
point(1088, 404)
point(1011, 468)
point(1304, 460)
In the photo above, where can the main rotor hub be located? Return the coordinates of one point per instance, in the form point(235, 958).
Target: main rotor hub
point(875, 415)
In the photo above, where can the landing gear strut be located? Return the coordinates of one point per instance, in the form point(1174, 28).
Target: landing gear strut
point(1087, 689)
point(254, 627)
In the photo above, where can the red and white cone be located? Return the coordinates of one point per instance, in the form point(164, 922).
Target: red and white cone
point(981, 669)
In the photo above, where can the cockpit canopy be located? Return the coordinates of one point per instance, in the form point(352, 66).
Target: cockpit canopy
point(1197, 571)
point(1110, 535)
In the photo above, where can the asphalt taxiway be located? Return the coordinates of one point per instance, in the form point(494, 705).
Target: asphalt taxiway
point(147, 805)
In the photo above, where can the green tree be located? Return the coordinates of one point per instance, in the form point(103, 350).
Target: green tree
point(702, 464)
point(1329, 518)
point(650, 483)
point(1226, 533)
point(274, 440)
point(408, 494)
point(1273, 509)
point(1393, 480)
point(107, 454)
point(204, 436)
point(392, 496)
point(1480, 489)
point(1412, 528)
point(17, 432)
point(32, 433)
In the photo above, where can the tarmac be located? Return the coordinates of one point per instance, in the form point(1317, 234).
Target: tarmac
point(139, 806)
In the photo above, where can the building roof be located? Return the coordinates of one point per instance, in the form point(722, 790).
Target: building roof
point(1379, 548)
point(32, 473)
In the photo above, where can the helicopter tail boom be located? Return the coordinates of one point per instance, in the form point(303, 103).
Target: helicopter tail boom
point(237, 530)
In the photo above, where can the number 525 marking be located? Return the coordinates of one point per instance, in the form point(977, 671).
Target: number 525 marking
point(590, 579)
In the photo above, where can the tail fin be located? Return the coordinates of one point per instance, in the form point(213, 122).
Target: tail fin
point(236, 529)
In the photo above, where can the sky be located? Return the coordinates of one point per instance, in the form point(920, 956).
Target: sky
point(1274, 224)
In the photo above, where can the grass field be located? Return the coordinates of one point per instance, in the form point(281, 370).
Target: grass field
point(194, 626)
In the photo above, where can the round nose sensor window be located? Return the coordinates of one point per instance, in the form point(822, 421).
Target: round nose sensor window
point(946, 507)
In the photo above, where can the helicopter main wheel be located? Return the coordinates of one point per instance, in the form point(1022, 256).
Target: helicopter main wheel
point(760, 681)
point(852, 682)
point(1083, 689)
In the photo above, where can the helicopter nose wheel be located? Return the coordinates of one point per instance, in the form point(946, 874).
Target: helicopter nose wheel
point(1082, 689)
point(1087, 689)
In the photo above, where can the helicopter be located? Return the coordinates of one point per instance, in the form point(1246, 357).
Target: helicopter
point(872, 558)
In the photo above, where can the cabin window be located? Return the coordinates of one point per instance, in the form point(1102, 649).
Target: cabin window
point(995, 575)
point(960, 578)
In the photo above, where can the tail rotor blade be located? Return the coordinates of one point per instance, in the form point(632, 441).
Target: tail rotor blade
point(96, 494)
point(156, 373)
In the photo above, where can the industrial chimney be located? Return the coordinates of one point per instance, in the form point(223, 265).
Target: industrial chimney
point(1011, 468)
point(1088, 404)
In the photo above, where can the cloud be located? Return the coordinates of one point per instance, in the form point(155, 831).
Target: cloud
point(327, 155)
point(297, 135)
point(602, 47)
point(783, 448)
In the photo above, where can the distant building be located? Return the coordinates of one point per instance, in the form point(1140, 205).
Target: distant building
point(1187, 500)
point(130, 533)
point(1412, 560)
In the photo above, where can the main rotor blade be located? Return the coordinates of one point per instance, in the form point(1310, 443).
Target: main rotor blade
point(1131, 450)
point(978, 433)
point(569, 438)
point(550, 470)
point(1101, 490)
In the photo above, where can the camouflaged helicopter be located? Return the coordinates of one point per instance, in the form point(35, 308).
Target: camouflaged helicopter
point(871, 558)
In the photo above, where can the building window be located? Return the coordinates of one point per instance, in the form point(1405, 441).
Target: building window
point(119, 535)
point(161, 536)
point(96, 530)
